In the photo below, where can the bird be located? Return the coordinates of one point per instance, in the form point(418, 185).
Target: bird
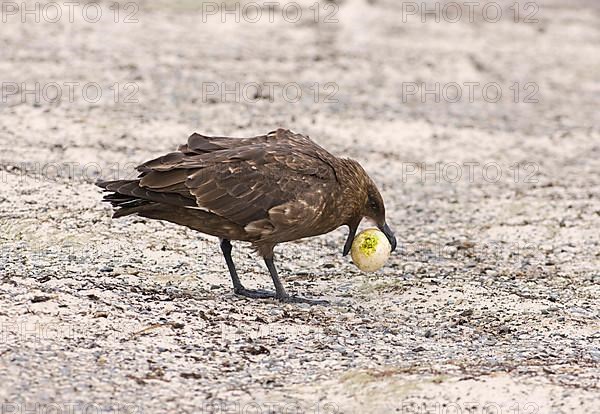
point(265, 190)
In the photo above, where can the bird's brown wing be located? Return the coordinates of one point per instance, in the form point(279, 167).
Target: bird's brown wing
point(198, 144)
point(264, 186)
point(201, 144)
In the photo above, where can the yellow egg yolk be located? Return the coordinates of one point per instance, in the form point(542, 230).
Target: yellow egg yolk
point(369, 245)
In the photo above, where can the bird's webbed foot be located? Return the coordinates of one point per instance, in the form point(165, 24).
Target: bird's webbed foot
point(296, 299)
point(254, 293)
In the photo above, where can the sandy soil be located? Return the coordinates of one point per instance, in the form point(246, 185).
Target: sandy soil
point(491, 304)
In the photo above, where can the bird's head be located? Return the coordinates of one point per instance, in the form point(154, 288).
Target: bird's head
point(372, 208)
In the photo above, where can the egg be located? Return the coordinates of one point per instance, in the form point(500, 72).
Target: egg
point(370, 250)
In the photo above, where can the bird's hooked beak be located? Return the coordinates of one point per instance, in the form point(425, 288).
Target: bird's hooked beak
point(389, 234)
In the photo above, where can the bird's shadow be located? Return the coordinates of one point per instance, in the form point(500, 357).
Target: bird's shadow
point(266, 294)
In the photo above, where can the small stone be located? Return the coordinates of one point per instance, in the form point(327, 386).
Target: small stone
point(40, 298)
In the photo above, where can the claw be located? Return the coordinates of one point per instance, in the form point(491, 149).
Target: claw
point(254, 294)
point(296, 299)
point(264, 294)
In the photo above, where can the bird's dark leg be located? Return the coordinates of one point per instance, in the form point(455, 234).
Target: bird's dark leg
point(238, 288)
point(280, 292)
point(226, 249)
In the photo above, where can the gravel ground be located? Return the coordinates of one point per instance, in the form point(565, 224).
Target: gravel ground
point(490, 304)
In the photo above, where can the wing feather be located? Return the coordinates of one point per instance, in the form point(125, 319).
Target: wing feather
point(245, 180)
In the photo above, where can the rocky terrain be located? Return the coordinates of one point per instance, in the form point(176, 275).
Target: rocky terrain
point(482, 132)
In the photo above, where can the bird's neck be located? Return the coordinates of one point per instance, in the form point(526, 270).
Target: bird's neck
point(353, 182)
